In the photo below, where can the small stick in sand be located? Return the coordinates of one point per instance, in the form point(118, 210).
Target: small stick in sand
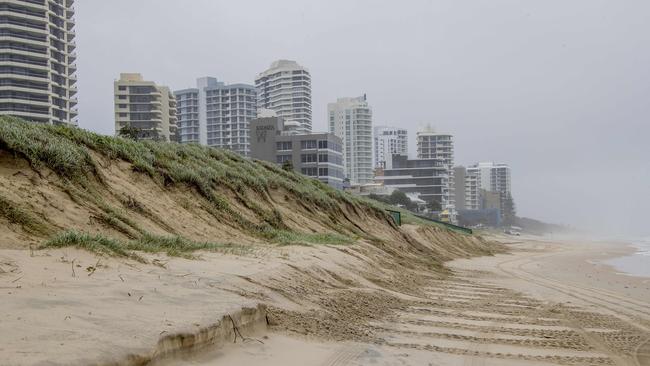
point(121, 278)
point(235, 330)
point(72, 266)
point(92, 270)
point(17, 279)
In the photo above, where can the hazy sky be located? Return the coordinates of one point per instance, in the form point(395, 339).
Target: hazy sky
point(558, 89)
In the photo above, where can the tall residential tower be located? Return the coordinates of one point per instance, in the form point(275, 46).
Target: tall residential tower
point(432, 145)
point(37, 61)
point(351, 120)
point(286, 88)
point(216, 114)
point(389, 141)
point(486, 177)
point(143, 105)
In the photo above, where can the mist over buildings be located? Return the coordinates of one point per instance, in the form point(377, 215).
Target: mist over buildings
point(558, 90)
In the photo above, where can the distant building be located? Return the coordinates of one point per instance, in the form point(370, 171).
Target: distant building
point(432, 145)
point(428, 178)
point(459, 187)
point(351, 120)
point(472, 189)
point(37, 61)
point(216, 114)
point(146, 106)
point(317, 155)
point(486, 177)
point(286, 88)
point(389, 141)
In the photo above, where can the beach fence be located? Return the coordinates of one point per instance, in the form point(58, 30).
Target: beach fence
point(397, 217)
point(461, 229)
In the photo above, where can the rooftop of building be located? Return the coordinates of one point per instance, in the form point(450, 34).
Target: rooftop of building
point(281, 65)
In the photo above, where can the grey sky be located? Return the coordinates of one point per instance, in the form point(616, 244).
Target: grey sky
point(559, 89)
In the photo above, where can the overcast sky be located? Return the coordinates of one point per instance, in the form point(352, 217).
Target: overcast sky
point(558, 89)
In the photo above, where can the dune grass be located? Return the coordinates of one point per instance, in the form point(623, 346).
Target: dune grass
point(94, 243)
point(67, 152)
point(173, 246)
point(16, 215)
point(284, 237)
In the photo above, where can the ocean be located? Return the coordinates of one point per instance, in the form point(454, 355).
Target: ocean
point(637, 264)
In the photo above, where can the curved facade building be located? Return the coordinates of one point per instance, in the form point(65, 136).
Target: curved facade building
point(286, 89)
point(37, 60)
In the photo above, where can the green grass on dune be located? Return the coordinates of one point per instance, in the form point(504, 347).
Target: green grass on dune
point(17, 215)
point(285, 237)
point(173, 246)
point(65, 150)
point(217, 175)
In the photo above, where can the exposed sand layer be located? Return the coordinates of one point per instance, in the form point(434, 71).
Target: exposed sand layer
point(541, 305)
point(544, 304)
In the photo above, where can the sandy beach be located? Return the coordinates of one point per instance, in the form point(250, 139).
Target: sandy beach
point(543, 303)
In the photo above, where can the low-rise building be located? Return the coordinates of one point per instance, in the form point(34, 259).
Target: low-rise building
point(428, 178)
point(317, 155)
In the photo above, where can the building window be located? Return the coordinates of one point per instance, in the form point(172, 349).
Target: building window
point(283, 145)
point(122, 88)
point(308, 144)
point(308, 158)
point(282, 158)
point(323, 172)
point(311, 172)
point(322, 144)
point(322, 158)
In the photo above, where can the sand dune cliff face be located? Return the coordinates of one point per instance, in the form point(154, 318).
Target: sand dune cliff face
point(54, 179)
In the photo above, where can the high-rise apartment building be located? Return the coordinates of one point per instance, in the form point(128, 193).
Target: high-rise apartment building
point(37, 61)
point(489, 177)
point(432, 145)
point(217, 115)
point(389, 141)
point(145, 106)
point(351, 120)
point(286, 88)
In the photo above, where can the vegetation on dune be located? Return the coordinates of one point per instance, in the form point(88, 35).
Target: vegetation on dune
point(174, 246)
point(92, 243)
point(289, 237)
point(16, 215)
point(215, 174)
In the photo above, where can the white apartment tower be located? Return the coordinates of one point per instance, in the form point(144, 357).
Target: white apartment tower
point(389, 141)
point(432, 145)
point(146, 106)
point(37, 61)
point(489, 177)
point(286, 88)
point(351, 120)
point(217, 115)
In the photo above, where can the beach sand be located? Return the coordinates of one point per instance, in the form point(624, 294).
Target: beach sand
point(544, 303)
